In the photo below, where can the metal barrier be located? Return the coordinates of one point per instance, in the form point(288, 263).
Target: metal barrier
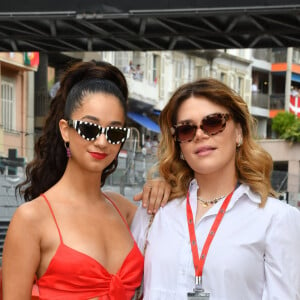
point(132, 171)
point(3, 229)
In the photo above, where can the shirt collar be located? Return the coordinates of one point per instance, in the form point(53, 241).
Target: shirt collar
point(243, 190)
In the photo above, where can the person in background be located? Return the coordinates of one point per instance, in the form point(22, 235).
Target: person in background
point(70, 237)
point(148, 144)
point(129, 69)
point(224, 235)
point(138, 73)
point(294, 91)
point(155, 143)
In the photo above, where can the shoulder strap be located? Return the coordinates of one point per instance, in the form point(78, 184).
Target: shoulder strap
point(52, 213)
point(117, 209)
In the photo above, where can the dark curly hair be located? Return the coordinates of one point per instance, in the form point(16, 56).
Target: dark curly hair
point(50, 159)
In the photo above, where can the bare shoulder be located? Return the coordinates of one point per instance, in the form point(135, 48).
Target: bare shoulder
point(21, 251)
point(126, 207)
point(122, 202)
point(29, 214)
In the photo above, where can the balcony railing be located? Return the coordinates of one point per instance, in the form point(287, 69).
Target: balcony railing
point(279, 56)
point(260, 100)
point(277, 101)
point(143, 90)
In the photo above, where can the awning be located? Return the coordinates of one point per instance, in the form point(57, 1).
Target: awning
point(156, 112)
point(295, 77)
point(144, 121)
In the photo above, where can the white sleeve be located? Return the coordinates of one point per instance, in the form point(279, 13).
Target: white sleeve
point(139, 226)
point(282, 256)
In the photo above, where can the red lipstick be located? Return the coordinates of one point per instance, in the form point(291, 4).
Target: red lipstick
point(98, 155)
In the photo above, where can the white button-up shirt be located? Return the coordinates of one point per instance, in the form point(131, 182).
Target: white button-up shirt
point(255, 253)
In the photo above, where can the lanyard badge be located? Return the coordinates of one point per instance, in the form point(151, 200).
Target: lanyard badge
point(199, 293)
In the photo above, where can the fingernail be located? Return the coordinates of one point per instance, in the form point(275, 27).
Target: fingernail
point(149, 211)
point(144, 205)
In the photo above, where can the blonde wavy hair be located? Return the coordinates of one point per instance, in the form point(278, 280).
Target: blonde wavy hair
point(253, 164)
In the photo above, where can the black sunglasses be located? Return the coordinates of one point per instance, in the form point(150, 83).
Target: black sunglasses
point(91, 131)
point(210, 125)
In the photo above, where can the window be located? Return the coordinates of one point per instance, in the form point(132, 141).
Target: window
point(8, 103)
point(162, 79)
point(200, 72)
point(155, 68)
point(223, 77)
point(240, 85)
point(179, 72)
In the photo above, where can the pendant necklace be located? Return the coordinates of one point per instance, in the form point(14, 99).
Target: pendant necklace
point(205, 203)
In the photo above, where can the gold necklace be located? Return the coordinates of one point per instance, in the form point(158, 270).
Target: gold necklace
point(205, 203)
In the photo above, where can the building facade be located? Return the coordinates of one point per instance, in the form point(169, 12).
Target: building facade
point(16, 130)
point(16, 109)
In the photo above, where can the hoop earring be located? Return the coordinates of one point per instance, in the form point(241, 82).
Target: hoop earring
point(67, 146)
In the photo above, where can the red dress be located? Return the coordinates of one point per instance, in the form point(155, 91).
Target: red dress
point(75, 275)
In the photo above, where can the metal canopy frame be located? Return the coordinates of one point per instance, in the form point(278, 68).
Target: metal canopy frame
point(151, 29)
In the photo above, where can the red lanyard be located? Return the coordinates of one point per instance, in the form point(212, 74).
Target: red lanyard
point(199, 261)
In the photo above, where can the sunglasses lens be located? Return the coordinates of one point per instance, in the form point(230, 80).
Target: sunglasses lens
point(116, 135)
point(213, 124)
point(185, 133)
point(88, 131)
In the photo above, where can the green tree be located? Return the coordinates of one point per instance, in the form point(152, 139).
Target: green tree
point(283, 122)
point(292, 133)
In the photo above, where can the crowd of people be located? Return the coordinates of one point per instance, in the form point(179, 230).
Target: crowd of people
point(136, 71)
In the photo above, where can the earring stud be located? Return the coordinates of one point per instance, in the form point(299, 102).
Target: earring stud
point(181, 156)
point(240, 143)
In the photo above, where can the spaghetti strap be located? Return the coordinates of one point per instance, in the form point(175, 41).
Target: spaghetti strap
point(116, 207)
point(52, 213)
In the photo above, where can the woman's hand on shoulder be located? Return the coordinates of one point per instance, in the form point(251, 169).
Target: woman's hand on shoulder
point(155, 194)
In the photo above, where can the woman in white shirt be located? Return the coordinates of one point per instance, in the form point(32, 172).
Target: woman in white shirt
point(224, 235)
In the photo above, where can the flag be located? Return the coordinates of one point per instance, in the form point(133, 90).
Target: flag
point(295, 105)
point(32, 59)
